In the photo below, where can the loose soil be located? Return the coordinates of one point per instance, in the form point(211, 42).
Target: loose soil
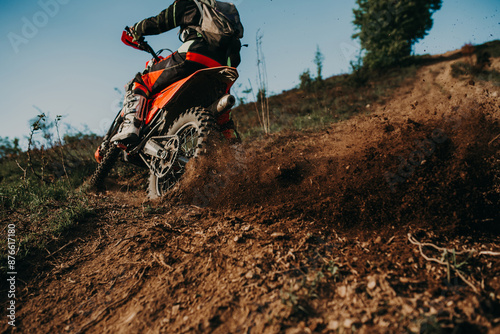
point(385, 223)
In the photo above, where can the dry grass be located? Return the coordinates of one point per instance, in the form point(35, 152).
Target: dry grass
point(337, 99)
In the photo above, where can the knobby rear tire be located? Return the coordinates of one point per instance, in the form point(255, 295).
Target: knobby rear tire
point(198, 119)
point(103, 169)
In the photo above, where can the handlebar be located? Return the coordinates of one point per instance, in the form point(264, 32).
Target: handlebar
point(145, 46)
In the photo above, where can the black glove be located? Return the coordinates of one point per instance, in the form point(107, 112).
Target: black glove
point(136, 37)
point(131, 38)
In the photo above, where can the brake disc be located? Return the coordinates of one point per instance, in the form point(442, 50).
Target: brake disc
point(165, 156)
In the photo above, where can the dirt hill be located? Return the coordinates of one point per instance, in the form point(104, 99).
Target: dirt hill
point(386, 222)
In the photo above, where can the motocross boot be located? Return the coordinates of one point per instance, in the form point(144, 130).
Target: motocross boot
point(133, 114)
point(226, 126)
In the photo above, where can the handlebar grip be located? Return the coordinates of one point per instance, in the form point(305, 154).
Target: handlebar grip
point(143, 45)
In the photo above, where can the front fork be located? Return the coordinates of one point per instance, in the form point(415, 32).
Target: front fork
point(113, 129)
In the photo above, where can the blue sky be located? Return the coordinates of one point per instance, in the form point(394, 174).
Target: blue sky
point(66, 57)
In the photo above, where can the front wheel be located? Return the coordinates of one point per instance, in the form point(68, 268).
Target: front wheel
point(191, 130)
point(103, 169)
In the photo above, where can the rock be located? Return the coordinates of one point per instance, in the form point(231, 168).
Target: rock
point(348, 323)
point(333, 325)
point(407, 309)
point(342, 291)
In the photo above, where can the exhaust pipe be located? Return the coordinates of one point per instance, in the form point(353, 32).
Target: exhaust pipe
point(225, 103)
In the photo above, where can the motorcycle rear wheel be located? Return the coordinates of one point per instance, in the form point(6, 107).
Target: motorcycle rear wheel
point(192, 129)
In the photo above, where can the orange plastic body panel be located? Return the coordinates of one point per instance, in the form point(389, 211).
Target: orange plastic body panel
point(161, 99)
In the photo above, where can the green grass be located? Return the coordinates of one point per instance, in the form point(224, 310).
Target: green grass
point(41, 197)
point(41, 194)
point(42, 214)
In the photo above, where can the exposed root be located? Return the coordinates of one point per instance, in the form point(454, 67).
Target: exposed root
point(451, 263)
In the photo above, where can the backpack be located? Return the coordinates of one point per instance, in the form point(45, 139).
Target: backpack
point(220, 23)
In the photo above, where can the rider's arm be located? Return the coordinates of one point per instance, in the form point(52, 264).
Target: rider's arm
point(181, 12)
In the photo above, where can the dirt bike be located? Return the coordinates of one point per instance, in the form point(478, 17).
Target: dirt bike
point(179, 121)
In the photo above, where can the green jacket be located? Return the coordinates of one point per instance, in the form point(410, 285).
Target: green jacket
point(181, 13)
point(184, 13)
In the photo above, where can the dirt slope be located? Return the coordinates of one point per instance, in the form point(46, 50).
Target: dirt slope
point(302, 232)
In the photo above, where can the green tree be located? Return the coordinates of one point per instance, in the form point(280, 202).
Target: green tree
point(8, 146)
point(318, 61)
point(387, 29)
point(305, 80)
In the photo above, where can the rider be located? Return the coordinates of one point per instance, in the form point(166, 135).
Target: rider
point(194, 54)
